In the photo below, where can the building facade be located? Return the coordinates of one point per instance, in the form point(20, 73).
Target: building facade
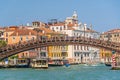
point(78, 53)
point(111, 35)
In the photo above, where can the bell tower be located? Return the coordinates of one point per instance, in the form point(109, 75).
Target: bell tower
point(75, 16)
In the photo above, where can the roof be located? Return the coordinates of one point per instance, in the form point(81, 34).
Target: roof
point(58, 24)
point(70, 25)
point(70, 28)
point(22, 32)
point(46, 30)
point(11, 28)
point(112, 31)
point(89, 30)
point(1, 29)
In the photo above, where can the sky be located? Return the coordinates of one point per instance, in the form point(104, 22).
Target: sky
point(104, 15)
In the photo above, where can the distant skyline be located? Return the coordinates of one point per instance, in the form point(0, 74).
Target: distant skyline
point(102, 14)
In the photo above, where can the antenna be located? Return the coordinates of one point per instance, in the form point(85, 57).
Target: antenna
point(91, 26)
point(28, 24)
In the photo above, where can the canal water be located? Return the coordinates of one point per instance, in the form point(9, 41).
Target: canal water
point(74, 72)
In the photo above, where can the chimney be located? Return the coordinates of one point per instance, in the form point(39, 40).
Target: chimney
point(85, 27)
point(17, 34)
point(29, 33)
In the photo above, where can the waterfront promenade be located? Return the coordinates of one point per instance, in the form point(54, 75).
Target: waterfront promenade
point(74, 72)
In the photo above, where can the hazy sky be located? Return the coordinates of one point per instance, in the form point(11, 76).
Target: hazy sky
point(102, 14)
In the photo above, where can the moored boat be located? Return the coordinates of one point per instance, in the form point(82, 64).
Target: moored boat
point(108, 64)
point(39, 63)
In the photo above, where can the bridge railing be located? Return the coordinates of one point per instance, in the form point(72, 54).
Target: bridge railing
point(55, 39)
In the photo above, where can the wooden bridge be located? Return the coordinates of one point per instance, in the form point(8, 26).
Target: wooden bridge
point(10, 50)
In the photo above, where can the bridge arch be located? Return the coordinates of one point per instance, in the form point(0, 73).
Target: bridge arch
point(10, 50)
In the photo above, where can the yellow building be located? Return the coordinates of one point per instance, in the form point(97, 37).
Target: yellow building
point(55, 53)
point(112, 35)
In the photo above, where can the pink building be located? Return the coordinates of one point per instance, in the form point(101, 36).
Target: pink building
point(28, 54)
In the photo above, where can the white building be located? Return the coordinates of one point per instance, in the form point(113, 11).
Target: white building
point(78, 53)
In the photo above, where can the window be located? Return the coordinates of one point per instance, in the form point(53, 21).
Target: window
point(84, 47)
point(85, 54)
point(77, 34)
point(87, 35)
point(56, 27)
point(6, 39)
point(21, 38)
point(74, 47)
point(74, 34)
point(75, 54)
point(87, 48)
point(6, 34)
point(32, 38)
point(88, 55)
point(53, 29)
point(77, 47)
point(13, 38)
point(27, 38)
point(117, 35)
point(43, 54)
point(81, 47)
point(64, 27)
point(63, 48)
point(75, 59)
point(60, 28)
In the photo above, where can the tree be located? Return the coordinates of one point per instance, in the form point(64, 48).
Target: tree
point(3, 43)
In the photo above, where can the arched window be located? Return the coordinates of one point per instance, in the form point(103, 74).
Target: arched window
point(21, 38)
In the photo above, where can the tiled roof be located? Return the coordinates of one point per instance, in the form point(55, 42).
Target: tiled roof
point(13, 27)
point(1, 28)
point(112, 31)
point(58, 24)
point(70, 28)
point(21, 32)
point(70, 25)
point(46, 30)
point(7, 30)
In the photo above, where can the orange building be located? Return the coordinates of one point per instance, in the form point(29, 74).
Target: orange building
point(19, 35)
point(7, 32)
point(15, 34)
